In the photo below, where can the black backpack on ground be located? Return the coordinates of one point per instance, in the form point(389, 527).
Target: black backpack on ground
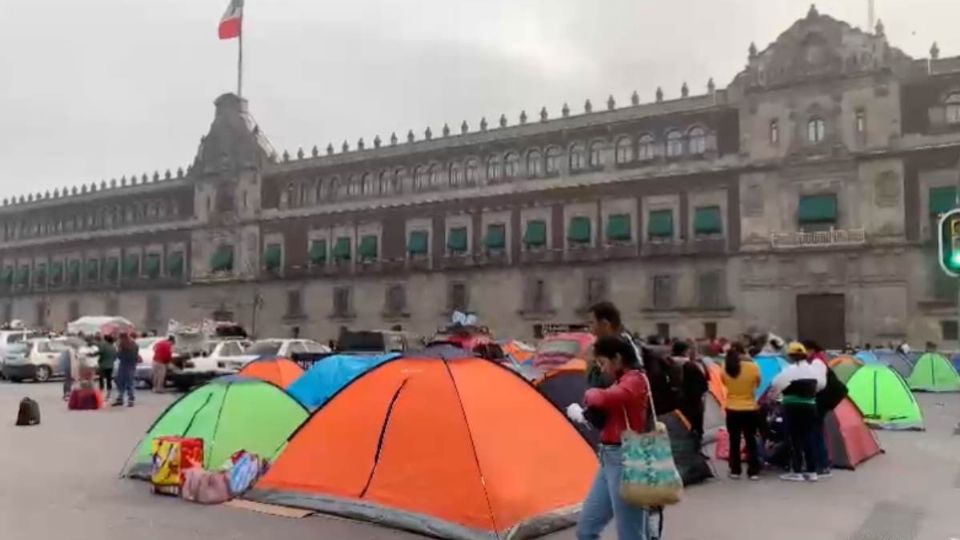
point(29, 413)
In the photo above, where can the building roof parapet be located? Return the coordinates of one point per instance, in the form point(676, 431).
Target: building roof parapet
point(86, 194)
point(167, 226)
point(487, 134)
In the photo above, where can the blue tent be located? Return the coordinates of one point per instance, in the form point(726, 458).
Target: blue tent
point(770, 366)
point(955, 360)
point(897, 361)
point(322, 381)
point(867, 357)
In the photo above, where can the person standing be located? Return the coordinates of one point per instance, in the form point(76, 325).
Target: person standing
point(741, 377)
point(67, 360)
point(127, 354)
point(694, 385)
point(106, 357)
point(799, 384)
point(162, 357)
point(605, 321)
point(626, 404)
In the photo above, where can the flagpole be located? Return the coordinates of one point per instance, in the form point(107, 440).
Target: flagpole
point(240, 63)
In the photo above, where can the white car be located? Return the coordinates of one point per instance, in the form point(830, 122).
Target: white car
point(39, 359)
point(272, 348)
point(201, 368)
point(14, 339)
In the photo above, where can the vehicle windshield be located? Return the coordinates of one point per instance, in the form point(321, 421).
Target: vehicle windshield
point(565, 347)
point(264, 348)
point(17, 349)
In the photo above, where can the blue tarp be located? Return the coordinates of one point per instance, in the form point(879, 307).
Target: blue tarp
point(770, 366)
point(315, 387)
point(955, 360)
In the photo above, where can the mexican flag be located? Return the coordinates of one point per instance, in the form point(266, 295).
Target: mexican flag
point(232, 21)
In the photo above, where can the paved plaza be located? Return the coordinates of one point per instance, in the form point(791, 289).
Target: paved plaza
point(60, 481)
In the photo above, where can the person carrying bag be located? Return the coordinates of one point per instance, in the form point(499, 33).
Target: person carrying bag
point(634, 462)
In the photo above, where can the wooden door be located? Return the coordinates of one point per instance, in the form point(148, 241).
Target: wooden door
point(822, 317)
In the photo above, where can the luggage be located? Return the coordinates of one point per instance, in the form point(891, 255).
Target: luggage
point(204, 487)
point(722, 450)
point(29, 413)
point(247, 468)
point(172, 456)
point(85, 399)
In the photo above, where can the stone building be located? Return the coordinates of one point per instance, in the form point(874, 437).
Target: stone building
point(800, 198)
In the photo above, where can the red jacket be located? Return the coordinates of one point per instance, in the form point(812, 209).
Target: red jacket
point(630, 394)
point(163, 352)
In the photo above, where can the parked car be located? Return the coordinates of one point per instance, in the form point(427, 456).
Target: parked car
point(273, 348)
point(377, 341)
point(14, 338)
point(39, 359)
point(144, 373)
point(209, 364)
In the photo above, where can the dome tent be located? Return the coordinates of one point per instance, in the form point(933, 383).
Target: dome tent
point(884, 398)
point(229, 414)
point(422, 444)
point(279, 371)
point(934, 373)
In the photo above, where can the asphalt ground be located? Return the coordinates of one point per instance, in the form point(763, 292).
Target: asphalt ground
point(60, 480)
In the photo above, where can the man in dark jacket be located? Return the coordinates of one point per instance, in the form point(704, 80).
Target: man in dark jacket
point(605, 321)
point(128, 354)
point(693, 385)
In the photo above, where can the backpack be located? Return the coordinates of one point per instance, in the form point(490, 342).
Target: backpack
point(29, 413)
point(832, 394)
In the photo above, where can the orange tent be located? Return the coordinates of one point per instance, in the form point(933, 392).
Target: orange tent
point(279, 371)
point(425, 445)
point(844, 359)
point(521, 352)
point(715, 382)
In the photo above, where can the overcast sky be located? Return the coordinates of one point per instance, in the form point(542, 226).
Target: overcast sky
point(96, 89)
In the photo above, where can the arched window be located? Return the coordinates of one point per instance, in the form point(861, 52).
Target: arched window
point(354, 188)
point(646, 148)
point(624, 150)
point(369, 187)
point(534, 163)
point(334, 189)
point(385, 185)
point(399, 179)
point(456, 174)
point(436, 176)
point(578, 157)
point(554, 155)
point(674, 144)
point(473, 172)
point(343, 188)
point(511, 165)
point(421, 179)
point(321, 190)
point(493, 168)
point(697, 141)
point(816, 129)
point(953, 108)
point(596, 155)
point(286, 197)
point(304, 193)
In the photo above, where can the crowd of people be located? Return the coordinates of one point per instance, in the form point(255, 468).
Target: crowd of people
point(632, 381)
point(116, 366)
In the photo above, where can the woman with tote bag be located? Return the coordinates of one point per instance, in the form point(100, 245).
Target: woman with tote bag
point(627, 407)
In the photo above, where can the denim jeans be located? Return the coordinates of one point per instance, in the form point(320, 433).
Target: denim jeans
point(125, 382)
point(823, 456)
point(604, 503)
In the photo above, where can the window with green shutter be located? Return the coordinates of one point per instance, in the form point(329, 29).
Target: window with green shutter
point(318, 252)
point(578, 231)
point(536, 234)
point(457, 240)
point(368, 250)
point(73, 274)
point(942, 200)
point(707, 221)
point(817, 209)
point(660, 224)
point(222, 260)
point(6, 276)
point(151, 265)
point(273, 257)
point(56, 273)
point(342, 250)
point(496, 237)
point(417, 243)
point(175, 264)
point(23, 275)
point(40, 276)
point(131, 266)
point(92, 270)
point(111, 268)
point(618, 228)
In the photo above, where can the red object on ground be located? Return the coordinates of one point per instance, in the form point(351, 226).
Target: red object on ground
point(85, 399)
point(849, 441)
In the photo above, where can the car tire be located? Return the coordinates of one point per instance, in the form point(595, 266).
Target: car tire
point(43, 374)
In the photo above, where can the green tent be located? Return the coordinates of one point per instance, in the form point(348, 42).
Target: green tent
point(934, 373)
point(844, 370)
point(884, 398)
point(229, 414)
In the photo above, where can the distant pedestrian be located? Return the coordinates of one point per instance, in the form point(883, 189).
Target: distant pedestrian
point(66, 361)
point(799, 384)
point(694, 384)
point(127, 354)
point(162, 357)
point(106, 357)
point(741, 377)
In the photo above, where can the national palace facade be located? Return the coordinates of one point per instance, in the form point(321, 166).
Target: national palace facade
point(801, 198)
